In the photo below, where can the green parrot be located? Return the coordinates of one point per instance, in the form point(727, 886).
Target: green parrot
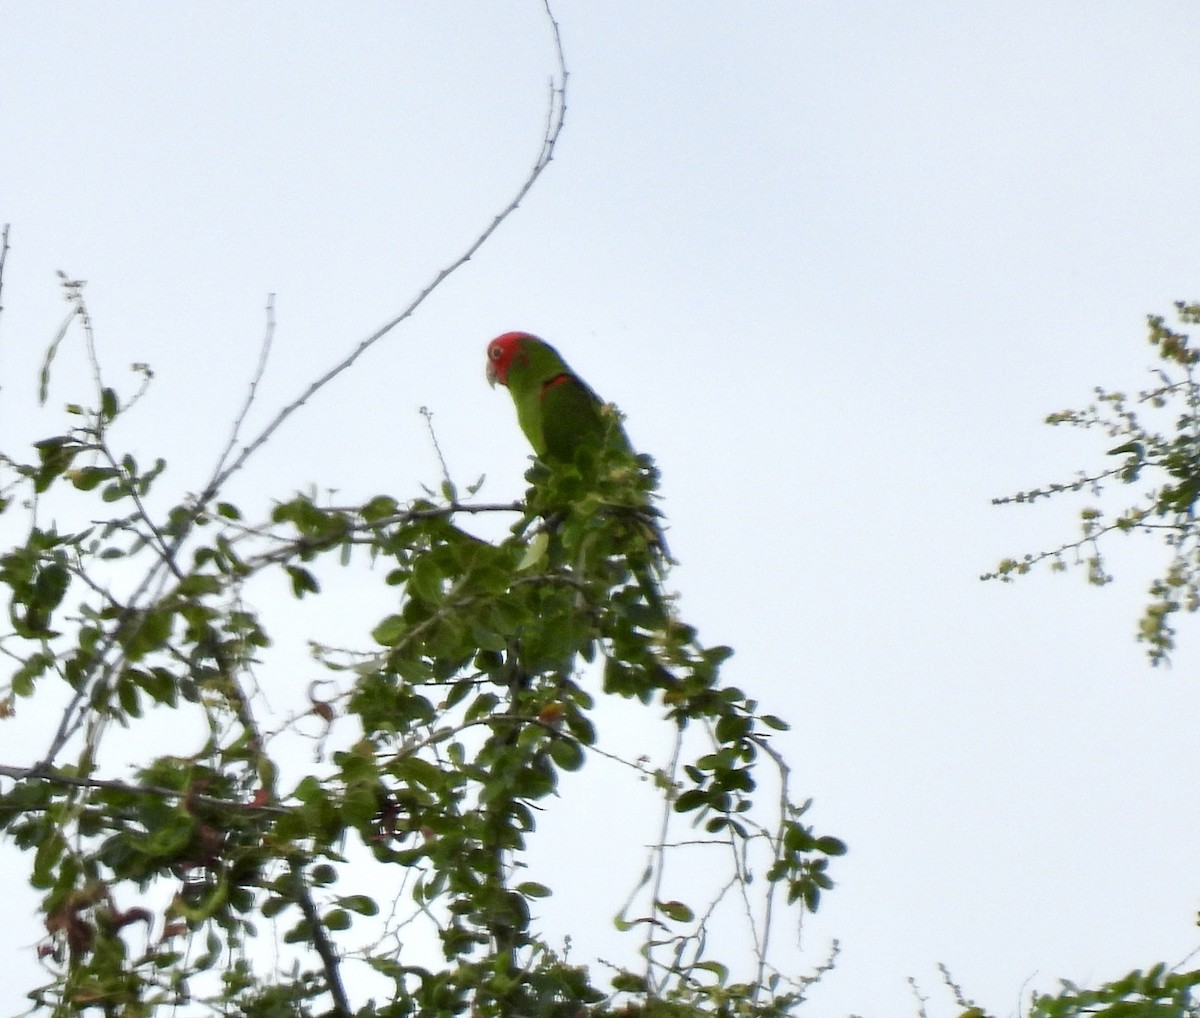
point(560, 415)
point(557, 411)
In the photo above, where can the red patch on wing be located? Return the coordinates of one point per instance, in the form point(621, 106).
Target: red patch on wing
point(558, 379)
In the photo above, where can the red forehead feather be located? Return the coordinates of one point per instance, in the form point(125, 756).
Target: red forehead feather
point(503, 349)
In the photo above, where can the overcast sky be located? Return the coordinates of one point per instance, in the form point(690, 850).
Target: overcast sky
point(835, 261)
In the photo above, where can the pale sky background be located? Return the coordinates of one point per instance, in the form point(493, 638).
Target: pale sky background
point(835, 261)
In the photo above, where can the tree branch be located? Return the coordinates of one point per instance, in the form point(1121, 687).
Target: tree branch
point(264, 352)
point(320, 941)
point(3, 256)
point(555, 118)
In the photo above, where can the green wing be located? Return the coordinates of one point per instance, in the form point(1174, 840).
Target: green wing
point(533, 366)
point(571, 415)
point(559, 414)
point(555, 409)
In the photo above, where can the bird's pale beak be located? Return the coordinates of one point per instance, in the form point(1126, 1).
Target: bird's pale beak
point(491, 374)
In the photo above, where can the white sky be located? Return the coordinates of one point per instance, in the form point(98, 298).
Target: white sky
point(834, 260)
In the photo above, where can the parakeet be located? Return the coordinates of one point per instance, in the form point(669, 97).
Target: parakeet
point(561, 415)
point(557, 411)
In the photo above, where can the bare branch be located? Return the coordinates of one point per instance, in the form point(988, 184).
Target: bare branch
point(658, 856)
point(3, 256)
point(321, 942)
point(264, 352)
point(437, 448)
point(762, 946)
point(556, 115)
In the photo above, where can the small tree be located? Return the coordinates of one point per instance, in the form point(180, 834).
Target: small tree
point(442, 734)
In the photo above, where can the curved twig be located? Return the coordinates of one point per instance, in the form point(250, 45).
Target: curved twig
point(3, 255)
point(264, 352)
point(556, 116)
point(555, 119)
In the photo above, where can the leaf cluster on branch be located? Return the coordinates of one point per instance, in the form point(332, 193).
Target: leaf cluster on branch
point(1158, 448)
point(391, 875)
point(440, 743)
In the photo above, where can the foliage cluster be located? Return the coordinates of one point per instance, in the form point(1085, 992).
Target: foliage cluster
point(1158, 447)
point(445, 737)
point(1161, 454)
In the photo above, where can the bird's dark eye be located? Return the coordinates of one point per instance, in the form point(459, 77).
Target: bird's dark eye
point(494, 353)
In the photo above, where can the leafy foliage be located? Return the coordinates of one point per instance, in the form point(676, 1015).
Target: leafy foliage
point(447, 731)
point(1163, 457)
point(1157, 993)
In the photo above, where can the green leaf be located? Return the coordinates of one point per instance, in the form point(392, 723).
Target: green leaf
point(109, 405)
point(35, 665)
point(86, 478)
point(322, 875)
point(798, 838)
point(303, 582)
point(161, 685)
point(51, 350)
point(274, 905)
point(359, 903)
point(692, 799)
point(535, 551)
point(337, 919)
point(127, 695)
point(566, 754)
point(56, 456)
point(716, 968)
point(146, 633)
point(627, 982)
point(170, 838)
point(380, 507)
point(426, 580)
point(676, 911)
point(360, 806)
point(197, 585)
point(389, 631)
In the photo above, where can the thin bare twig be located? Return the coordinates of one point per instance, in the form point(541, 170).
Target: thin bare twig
point(264, 352)
point(74, 288)
point(437, 448)
point(555, 118)
point(3, 256)
point(777, 843)
point(658, 855)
